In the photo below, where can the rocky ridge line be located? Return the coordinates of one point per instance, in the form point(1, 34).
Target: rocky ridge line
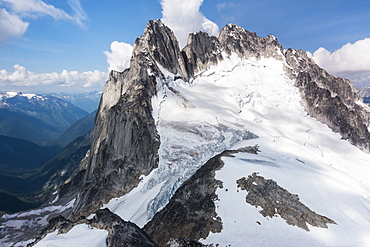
point(331, 100)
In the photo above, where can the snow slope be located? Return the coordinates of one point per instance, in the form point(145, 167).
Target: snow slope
point(80, 235)
point(208, 115)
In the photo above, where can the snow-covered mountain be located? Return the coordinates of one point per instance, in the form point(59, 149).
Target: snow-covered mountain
point(36, 118)
point(233, 141)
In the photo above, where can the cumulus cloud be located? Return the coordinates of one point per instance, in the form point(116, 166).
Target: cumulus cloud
point(11, 26)
point(184, 17)
point(119, 58)
point(21, 77)
point(351, 61)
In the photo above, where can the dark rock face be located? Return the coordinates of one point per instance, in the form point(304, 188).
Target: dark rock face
point(191, 211)
point(330, 99)
point(201, 52)
point(333, 111)
point(120, 232)
point(247, 44)
point(161, 44)
point(275, 200)
point(125, 142)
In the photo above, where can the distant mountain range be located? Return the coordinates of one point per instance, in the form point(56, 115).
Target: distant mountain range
point(42, 140)
point(88, 101)
point(36, 118)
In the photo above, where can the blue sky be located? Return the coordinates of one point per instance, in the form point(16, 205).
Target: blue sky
point(64, 45)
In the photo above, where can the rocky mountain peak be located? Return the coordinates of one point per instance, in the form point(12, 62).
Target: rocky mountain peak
point(247, 44)
point(201, 52)
point(162, 46)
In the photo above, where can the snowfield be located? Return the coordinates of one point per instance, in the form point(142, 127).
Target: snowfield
point(80, 235)
point(227, 107)
point(196, 120)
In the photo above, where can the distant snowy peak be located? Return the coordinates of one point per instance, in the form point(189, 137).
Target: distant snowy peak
point(9, 95)
point(34, 117)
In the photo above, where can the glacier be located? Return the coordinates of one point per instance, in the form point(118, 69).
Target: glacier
point(243, 102)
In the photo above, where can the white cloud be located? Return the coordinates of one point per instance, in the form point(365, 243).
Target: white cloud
point(36, 8)
point(351, 61)
point(80, 17)
point(11, 26)
point(21, 77)
point(119, 58)
point(184, 17)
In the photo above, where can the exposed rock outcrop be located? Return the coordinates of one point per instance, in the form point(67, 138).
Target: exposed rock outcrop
point(191, 211)
point(120, 232)
point(276, 200)
point(201, 52)
point(247, 44)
